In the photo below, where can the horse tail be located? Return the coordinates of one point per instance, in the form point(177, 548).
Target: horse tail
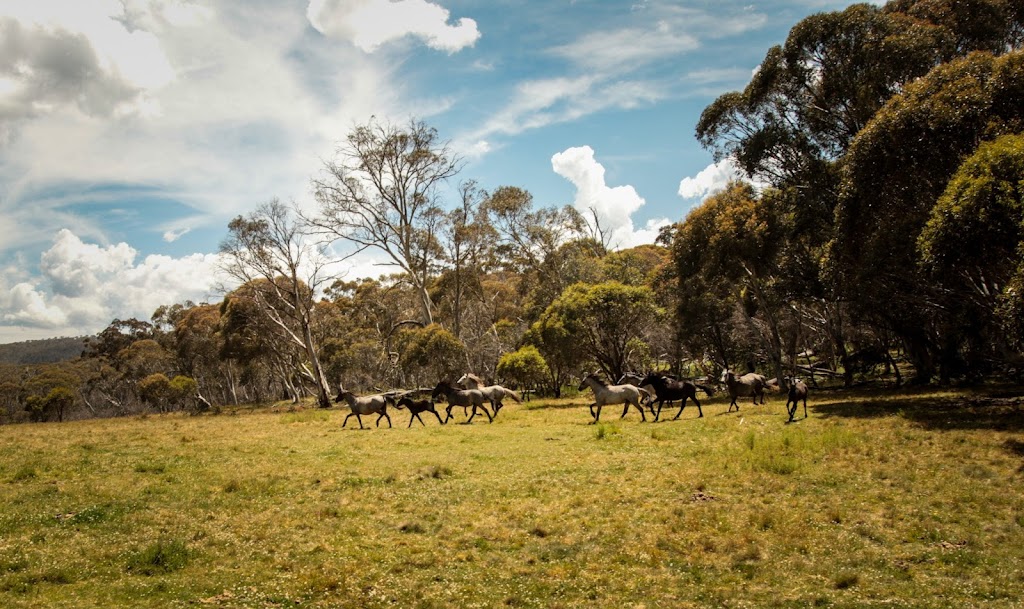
point(514, 395)
point(706, 389)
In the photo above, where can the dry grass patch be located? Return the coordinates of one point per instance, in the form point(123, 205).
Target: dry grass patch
point(904, 500)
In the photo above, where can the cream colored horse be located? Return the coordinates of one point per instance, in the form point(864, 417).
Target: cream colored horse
point(605, 394)
point(494, 393)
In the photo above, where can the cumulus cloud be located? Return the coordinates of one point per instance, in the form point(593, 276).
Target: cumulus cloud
point(709, 180)
point(369, 24)
point(613, 206)
point(85, 286)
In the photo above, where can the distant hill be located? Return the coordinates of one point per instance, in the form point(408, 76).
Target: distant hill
point(46, 351)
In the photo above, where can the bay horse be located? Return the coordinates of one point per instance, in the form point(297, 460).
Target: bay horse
point(494, 393)
point(669, 390)
point(460, 397)
point(605, 394)
point(750, 384)
point(367, 404)
point(416, 407)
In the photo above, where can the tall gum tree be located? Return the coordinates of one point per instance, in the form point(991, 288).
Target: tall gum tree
point(895, 172)
point(269, 249)
point(382, 191)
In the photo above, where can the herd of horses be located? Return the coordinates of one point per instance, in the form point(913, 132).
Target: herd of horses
point(653, 389)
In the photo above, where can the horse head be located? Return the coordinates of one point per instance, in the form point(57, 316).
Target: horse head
point(442, 389)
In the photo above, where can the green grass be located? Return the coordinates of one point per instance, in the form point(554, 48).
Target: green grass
point(905, 500)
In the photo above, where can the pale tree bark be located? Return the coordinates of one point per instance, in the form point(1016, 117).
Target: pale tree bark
point(268, 251)
point(381, 192)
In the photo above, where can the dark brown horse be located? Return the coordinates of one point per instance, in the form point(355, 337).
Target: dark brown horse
point(416, 407)
point(797, 391)
point(669, 390)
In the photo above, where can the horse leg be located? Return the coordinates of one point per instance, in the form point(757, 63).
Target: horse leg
point(805, 407)
point(657, 415)
point(360, 419)
point(681, 406)
point(625, 409)
point(490, 419)
point(643, 417)
point(346, 419)
point(597, 417)
point(436, 415)
point(384, 415)
point(448, 413)
point(414, 416)
point(592, 415)
point(701, 415)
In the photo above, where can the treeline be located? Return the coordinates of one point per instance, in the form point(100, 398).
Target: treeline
point(46, 351)
point(887, 144)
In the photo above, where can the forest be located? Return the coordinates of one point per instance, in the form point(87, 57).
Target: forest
point(879, 235)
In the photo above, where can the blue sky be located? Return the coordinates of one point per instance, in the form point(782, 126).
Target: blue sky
point(132, 131)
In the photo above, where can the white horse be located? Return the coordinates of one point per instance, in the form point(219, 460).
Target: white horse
point(494, 393)
point(612, 394)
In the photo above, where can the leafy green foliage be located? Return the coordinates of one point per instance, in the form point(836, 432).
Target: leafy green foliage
point(524, 367)
point(974, 229)
point(600, 320)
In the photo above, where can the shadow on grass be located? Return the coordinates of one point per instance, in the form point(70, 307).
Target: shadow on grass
point(1001, 410)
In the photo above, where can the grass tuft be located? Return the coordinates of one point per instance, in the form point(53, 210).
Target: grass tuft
point(412, 527)
point(436, 472)
point(160, 557)
point(606, 430)
point(25, 473)
point(846, 580)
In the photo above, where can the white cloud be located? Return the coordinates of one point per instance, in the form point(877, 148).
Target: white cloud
point(207, 105)
point(84, 286)
point(614, 206)
point(709, 180)
point(369, 24)
point(171, 236)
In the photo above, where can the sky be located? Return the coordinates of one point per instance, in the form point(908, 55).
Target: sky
point(133, 131)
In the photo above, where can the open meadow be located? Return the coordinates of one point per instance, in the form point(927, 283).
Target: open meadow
point(876, 500)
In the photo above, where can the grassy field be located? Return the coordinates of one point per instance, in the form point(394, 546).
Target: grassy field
point(876, 500)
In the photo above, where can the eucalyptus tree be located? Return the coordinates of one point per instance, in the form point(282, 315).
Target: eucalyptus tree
point(269, 251)
point(970, 248)
point(382, 191)
point(732, 243)
point(606, 322)
point(547, 247)
point(895, 172)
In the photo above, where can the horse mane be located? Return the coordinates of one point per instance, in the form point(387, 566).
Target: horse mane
point(600, 381)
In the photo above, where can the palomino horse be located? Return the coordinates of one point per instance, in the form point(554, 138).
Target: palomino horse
point(368, 404)
point(605, 394)
point(460, 397)
point(670, 390)
point(494, 393)
point(751, 384)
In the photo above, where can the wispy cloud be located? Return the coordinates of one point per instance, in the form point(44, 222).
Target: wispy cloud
point(610, 68)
